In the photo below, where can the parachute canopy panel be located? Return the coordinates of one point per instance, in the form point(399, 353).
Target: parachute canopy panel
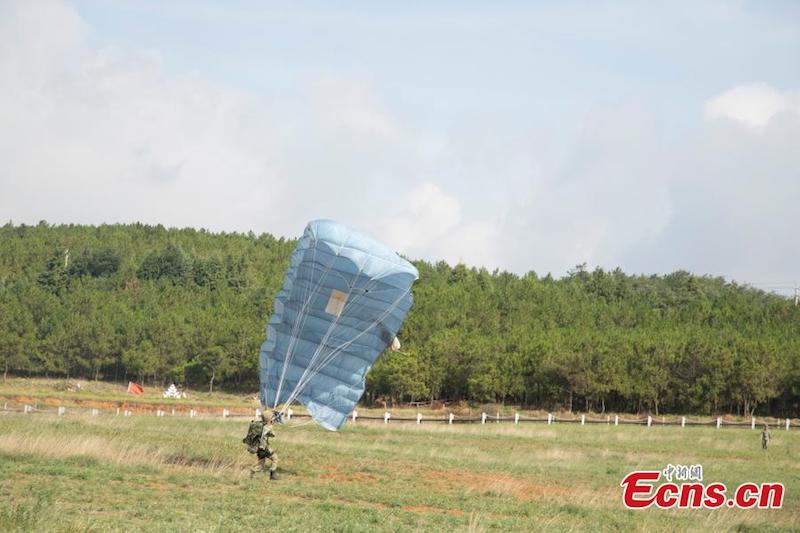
point(344, 297)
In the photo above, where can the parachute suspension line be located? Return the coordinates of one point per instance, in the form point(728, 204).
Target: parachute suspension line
point(326, 359)
point(315, 357)
point(310, 290)
point(332, 355)
point(318, 361)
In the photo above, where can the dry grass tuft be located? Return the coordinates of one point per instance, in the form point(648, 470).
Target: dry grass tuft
point(115, 451)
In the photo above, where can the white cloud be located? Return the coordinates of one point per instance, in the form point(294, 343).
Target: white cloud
point(426, 214)
point(428, 223)
point(94, 134)
point(752, 105)
point(105, 135)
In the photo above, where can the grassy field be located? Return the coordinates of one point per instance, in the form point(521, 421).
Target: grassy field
point(78, 472)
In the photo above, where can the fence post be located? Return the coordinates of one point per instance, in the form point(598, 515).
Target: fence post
point(94, 412)
point(549, 418)
point(258, 413)
point(386, 416)
point(616, 420)
point(355, 415)
point(649, 420)
point(752, 422)
point(173, 411)
point(583, 420)
point(419, 418)
point(61, 411)
point(787, 424)
point(719, 422)
point(26, 409)
point(683, 421)
point(516, 418)
point(450, 421)
point(483, 418)
point(289, 413)
point(497, 420)
point(224, 413)
point(117, 411)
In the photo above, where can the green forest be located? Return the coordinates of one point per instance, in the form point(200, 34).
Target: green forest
point(158, 305)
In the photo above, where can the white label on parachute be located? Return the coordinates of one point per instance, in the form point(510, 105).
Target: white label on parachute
point(336, 303)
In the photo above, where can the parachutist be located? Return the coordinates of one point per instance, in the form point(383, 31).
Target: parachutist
point(257, 441)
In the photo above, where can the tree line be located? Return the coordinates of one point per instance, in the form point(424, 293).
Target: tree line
point(188, 306)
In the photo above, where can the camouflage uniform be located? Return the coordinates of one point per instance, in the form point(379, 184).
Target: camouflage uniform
point(263, 452)
point(765, 436)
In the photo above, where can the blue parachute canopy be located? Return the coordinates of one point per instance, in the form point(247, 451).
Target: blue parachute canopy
point(344, 297)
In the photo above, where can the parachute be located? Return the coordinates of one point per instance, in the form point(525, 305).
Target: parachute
point(344, 297)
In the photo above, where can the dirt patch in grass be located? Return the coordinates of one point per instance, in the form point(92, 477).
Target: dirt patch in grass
point(501, 484)
point(334, 474)
point(431, 510)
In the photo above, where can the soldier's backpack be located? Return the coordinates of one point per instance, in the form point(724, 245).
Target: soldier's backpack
point(253, 436)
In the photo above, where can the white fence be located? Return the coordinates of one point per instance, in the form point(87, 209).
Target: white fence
point(449, 419)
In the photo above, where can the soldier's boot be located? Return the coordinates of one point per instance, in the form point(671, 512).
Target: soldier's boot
point(273, 475)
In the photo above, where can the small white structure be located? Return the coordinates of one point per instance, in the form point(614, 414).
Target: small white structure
point(173, 392)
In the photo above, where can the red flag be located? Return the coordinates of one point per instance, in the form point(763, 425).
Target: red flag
point(135, 388)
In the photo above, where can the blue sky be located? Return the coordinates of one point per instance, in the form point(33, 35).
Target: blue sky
point(518, 135)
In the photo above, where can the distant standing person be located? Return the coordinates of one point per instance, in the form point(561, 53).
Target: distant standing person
point(765, 436)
